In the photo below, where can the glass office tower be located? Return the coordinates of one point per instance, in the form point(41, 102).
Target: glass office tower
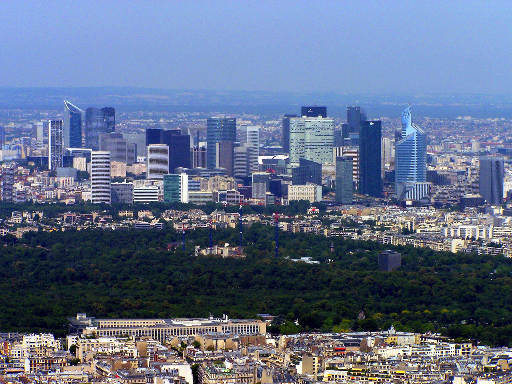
point(218, 130)
point(411, 156)
point(72, 129)
point(97, 122)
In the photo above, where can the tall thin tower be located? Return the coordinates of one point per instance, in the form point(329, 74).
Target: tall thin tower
point(411, 159)
point(72, 128)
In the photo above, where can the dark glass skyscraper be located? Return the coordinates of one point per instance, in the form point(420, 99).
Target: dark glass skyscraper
point(491, 179)
point(179, 145)
point(97, 122)
point(344, 180)
point(355, 118)
point(217, 130)
point(307, 172)
point(313, 112)
point(72, 129)
point(370, 159)
point(154, 136)
point(179, 149)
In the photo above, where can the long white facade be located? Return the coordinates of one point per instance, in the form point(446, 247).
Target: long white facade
point(100, 177)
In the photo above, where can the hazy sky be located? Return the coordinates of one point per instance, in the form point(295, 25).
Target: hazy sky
point(343, 46)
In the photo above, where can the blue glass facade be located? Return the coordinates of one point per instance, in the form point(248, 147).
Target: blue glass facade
point(411, 154)
point(370, 160)
point(217, 130)
point(72, 126)
point(98, 121)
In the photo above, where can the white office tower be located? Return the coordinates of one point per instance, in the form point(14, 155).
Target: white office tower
point(39, 128)
point(311, 138)
point(183, 187)
point(55, 145)
point(100, 177)
point(249, 137)
point(241, 162)
point(157, 161)
point(387, 153)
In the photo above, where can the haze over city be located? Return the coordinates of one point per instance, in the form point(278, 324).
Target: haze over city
point(296, 46)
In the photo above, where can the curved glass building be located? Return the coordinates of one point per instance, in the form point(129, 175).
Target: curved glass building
point(411, 158)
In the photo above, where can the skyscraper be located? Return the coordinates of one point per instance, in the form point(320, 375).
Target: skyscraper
point(72, 127)
point(179, 145)
point(157, 161)
point(100, 177)
point(250, 137)
point(344, 180)
point(311, 138)
point(218, 129)
point(55, 145)
point(313, 111)
point(97, 122)
point(491, 179)
point(370, 160)
point(410, 159)
point(179, 149)
point(307, 172)
point(286, 133)
point(350, 131)
point(224, 152)
point(120, 150)
point(355, 118)
point(176, 188)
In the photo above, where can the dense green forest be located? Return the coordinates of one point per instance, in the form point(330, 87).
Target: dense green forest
point(48, 276)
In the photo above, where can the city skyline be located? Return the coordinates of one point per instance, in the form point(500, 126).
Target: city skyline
point(249, 46)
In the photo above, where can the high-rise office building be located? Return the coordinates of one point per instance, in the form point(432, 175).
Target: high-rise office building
point(241, 159)
point(179, 149)
point(313, 111)
point(311, 138)
point(176, 188)
point(286, 132)
point(250, 137)
point(154, 136)
point(344, 181)
point(307, 172)
point(199, 157)
point(350, 131)
point(55, 145)
point(120, 150)
point(370, 159)
point(72, 126)
point(97, 122)
point(121, 192)
point(355, 118)
point(224, 153)
point(179, 146)
point(353, 153)
point(172, 188)
point(2, 136)
point(410, 158)
point(157, 161)
point(491, 179)
point(7, 175)
point(217, 130)
point(100, 177)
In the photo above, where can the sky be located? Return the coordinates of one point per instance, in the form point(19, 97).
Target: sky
point(292, 46)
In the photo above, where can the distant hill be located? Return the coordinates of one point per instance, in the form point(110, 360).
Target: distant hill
point(271, 104)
